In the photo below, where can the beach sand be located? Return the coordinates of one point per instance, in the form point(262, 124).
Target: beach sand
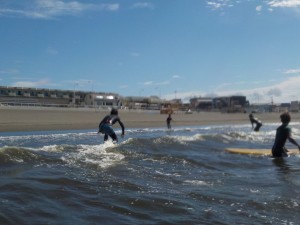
point(44, 119)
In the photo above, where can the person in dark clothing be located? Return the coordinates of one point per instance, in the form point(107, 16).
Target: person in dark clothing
point(105, 126)
point(283, 133)
point(253, 121)
point(169, 118)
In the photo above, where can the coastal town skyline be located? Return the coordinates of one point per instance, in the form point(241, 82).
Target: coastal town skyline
point(28, 96)
point(163, 48)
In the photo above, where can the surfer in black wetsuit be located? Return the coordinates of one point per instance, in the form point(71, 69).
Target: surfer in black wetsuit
point(169, 118)
point(105, 126)
point(283, 133)
point(253, 121)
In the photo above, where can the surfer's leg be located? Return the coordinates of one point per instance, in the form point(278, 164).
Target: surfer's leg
point(105, 137)
point(108, 131)
point(257, 127)
point(114, 137)
point(278, 153)
point(169, 125)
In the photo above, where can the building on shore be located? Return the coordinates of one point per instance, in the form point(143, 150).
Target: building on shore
point(19, 96)
point(143, 103)
point(230, 104)
point(294, 106)
point(201, 104)
point(102, 100)
point(223, 104)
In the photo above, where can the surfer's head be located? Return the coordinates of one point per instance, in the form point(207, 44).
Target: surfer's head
point(285, 117)
point(114, 111)
point(250, 115)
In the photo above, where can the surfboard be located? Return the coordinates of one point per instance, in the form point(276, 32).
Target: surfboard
point(250, 151)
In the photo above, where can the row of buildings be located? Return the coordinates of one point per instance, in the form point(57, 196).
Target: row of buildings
point(17, 96)
point(56, 98)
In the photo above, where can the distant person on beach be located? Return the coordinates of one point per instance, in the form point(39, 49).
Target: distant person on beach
point(169, 118)
point(283, 133)
point(105, 126)
point(253, 121)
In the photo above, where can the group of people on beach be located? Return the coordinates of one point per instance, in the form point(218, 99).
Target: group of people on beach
point(283, 132)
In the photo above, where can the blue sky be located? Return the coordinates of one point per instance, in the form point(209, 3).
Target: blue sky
point(169, 48)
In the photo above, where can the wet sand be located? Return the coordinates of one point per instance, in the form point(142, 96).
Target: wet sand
point(44, 119)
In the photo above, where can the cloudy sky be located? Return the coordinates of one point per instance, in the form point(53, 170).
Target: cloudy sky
point(169, 48)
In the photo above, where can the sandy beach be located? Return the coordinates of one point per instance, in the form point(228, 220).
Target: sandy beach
point(44, 119)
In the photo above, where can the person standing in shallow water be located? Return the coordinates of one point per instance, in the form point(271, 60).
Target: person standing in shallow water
point(253, 121)
point(105, 126)
point(169, 118)
point(283, 133)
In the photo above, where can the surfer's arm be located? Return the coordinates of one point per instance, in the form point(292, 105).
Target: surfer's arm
point(123, 128)
point(117, 119)
point(293, 141)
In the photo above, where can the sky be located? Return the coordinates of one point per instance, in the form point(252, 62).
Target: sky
point(166, 48)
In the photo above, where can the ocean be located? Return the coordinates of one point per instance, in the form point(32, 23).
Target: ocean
point(152, 176)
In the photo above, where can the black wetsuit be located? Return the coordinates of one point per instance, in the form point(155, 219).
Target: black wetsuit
point(106, 129)
point(257, 122)
point(169, 122)
point(282, 134)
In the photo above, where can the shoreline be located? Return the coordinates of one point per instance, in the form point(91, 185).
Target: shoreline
point(47, 119)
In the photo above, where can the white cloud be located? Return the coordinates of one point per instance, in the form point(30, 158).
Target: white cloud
point(148, 83)
point(284, 3)
point(151, 83)
point(270, 4)
point(143, 5)
point(214, 5)
point(292, 71)
point(40, 83)
point(274, 92)
point(177, 77)
point(284, 91)
point(258, 8)
point(220, 4)
point(48, 9)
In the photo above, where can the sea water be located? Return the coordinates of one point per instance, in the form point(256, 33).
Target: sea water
point(152, 176)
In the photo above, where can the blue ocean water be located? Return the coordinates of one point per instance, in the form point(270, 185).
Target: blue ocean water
point(152, 176)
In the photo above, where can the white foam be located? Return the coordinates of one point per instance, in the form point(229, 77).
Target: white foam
point(94, 155)
point(197, 182)
point(183, 139)
point(53, 148)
